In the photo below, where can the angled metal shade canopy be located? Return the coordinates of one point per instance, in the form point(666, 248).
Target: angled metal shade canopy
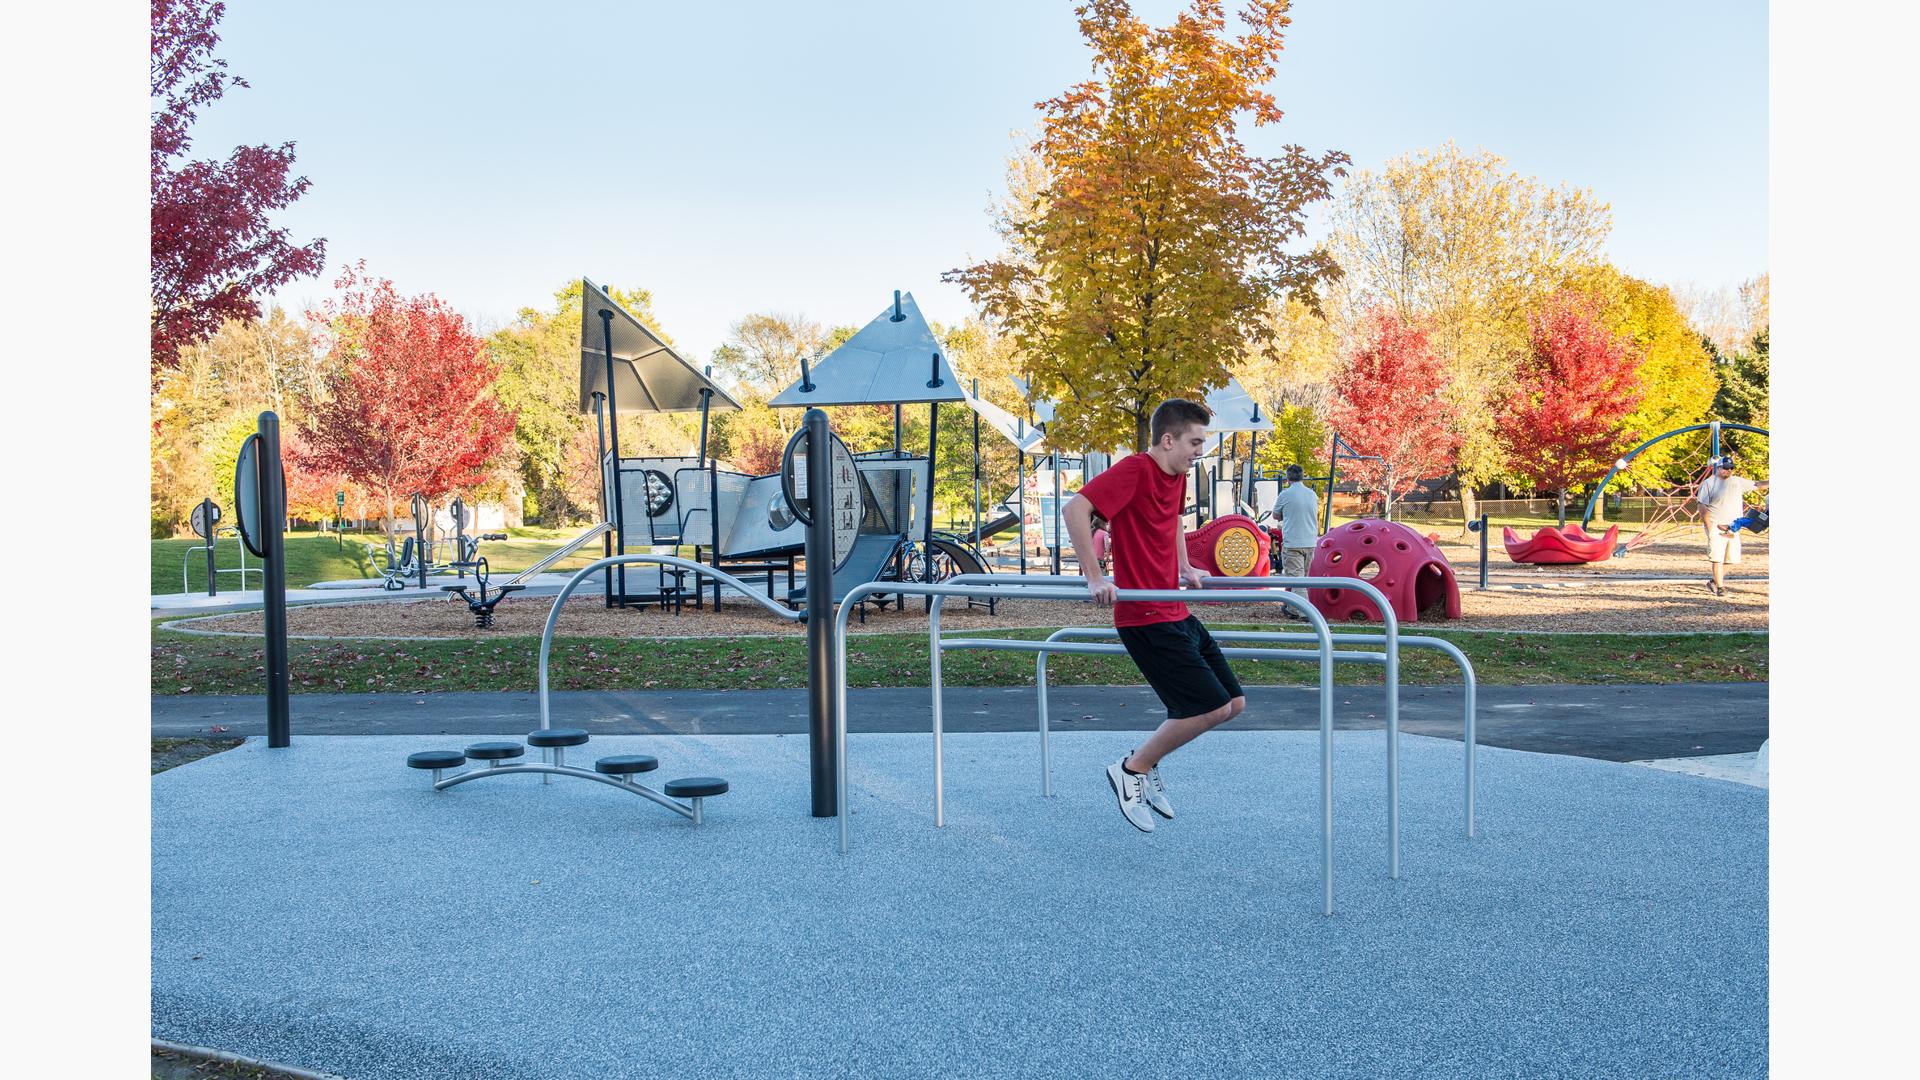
point(648, 376)
point(1022, 435)
point(1235, 410)
point(893, 360)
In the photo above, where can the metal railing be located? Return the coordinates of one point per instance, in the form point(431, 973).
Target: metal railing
point(559, 601)
point(1240, 587)
point(1411, 641)
point(243, 571)
point(562, 552)
point(1043, 590)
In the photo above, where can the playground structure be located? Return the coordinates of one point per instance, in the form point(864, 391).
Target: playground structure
point(1407, 567)
point(1225, 481)
point(1556, 546)
point(1670, 513)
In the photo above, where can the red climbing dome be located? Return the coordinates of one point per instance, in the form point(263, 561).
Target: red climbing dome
point(1401, 563)
point(1554, 545)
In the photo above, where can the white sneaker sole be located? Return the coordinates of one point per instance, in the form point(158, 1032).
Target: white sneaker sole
point(1114, 783)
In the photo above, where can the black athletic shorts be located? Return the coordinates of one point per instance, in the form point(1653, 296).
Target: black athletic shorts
point(1183, 665)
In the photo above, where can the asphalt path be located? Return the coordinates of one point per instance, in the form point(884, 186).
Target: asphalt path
point(1613, 723)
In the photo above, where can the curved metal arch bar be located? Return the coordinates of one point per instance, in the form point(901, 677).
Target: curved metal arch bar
point(1390, 632)
point(559, 601)
point(1469, 683)
point(1627, 458)
point(1008, 590)
point(641, 790)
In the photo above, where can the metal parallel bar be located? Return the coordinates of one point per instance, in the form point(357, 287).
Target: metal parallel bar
point(641, 790)
point(559, 602)
point(1469, 683)
point(1248, 588)
point(1391, 631)
point(1006, 590)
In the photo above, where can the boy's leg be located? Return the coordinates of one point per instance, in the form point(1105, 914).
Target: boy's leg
point(1174, 734)
point(1197, 676)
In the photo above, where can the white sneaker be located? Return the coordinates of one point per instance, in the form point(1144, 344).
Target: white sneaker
point(1128, 788)
point(1155, 793)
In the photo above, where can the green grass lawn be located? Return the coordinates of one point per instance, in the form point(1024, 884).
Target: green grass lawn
point(313, 556)
point(183, 664)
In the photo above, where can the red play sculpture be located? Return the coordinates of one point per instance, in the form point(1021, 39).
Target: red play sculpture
point(1230, 546)
point(1401, 563)
point(1555, 545)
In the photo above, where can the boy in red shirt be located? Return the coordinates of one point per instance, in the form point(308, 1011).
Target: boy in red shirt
point(1142, 496)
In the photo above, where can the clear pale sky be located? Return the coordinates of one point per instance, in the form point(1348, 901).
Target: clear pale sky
point(738, 157)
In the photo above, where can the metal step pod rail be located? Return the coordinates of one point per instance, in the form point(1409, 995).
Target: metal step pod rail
point(618, 771)
point(1059, 588)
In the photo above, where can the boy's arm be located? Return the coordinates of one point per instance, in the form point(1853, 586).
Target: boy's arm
point(1191, 578)
point(1079, 518)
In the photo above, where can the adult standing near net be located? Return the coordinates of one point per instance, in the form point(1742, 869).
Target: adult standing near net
point(1299, 510)
point(1142, 496)
point(1722, 500)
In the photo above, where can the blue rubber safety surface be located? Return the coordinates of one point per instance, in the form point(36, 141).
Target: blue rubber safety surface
point(322, 906)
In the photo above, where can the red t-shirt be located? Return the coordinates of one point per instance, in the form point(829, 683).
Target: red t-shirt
point(1143, 505)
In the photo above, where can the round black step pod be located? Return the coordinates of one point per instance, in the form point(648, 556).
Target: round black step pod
point(495, 751)
point(436, 759)
point(559, 736)
point(623, 764)
point(688, 787)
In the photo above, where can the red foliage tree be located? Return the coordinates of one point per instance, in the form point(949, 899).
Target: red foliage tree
point(1387, 402)
point(1561, 422)
point(212, 247)
point(410, 408)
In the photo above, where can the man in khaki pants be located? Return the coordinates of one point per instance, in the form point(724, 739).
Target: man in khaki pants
point(1299, 511)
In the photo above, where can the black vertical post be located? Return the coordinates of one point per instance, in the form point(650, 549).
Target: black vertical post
point(706, 404)
point(823, 694)
point(207, 511)
point(421, 512)
point(613, 430)
point(1483, 552)
point(606, 504)
point(933, 459)
point(977, 539)
point(1333, 477)
point(1057, 538)
point(273, 513)
point(458, 507)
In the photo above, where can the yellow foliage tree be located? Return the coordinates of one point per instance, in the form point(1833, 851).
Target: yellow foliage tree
point(1464, 244)
point(1145, 264)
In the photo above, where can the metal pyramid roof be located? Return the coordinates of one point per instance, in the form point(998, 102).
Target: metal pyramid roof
point(648, 376)
point(1022, 435)
point(891, 361)
point(1235, 410)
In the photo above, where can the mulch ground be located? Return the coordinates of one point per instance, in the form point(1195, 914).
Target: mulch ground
point(1611, 596)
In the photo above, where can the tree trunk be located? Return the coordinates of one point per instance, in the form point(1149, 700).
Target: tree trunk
point(1469, 507)
point(1142, 432)
point(1563, 507)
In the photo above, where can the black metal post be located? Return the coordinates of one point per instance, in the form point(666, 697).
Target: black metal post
point(1333, 477)
point(606, 507)
point(458, 508)
point(613, 428)
point(1057, 538)
point(706, 404)
point(933, 460)
point(273, 514)
point(822, 749)
point(977, 538)
point(1483, 552)
point(208, 508)
point(1020, 498)
point(421, 512)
